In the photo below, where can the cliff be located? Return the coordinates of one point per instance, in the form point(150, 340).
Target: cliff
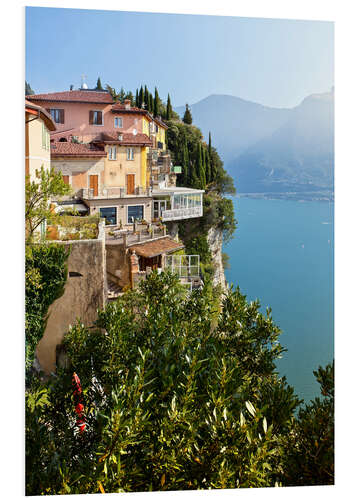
point(215, 240)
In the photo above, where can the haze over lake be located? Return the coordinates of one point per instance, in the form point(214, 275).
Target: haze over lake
point(282, 254)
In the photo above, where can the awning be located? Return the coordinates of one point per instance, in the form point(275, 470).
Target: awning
point(152, 249)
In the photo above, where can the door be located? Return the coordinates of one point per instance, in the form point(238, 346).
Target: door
point(93, 184)
point(159, 207)
point(130, 184)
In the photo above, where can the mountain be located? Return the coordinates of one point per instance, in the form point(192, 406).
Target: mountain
point(271, 149)
point(298, 156)
point(235, 124)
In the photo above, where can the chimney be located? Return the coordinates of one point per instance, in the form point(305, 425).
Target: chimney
point(127, 103)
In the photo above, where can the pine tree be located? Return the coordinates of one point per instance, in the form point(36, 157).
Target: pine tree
point(168, 108)
point(187, 117)
point(156, 103)
point(99, 84)
point(121, 95)
point(111, 91)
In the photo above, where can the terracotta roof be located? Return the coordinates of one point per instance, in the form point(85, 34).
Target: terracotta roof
point(128, 139)
point(151, 249)
point(43, 113)
point(119, 107)
point(97, 97)
point(73, 149)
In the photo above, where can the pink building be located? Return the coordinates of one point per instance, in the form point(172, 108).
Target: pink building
point(84, 114)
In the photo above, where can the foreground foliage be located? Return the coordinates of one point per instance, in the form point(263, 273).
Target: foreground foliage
point(180, 392)
point(45, 278)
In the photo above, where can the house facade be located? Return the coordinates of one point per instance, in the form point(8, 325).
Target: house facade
point(38, 126)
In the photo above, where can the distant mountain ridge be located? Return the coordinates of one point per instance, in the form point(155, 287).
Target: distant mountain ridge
point(271, 149)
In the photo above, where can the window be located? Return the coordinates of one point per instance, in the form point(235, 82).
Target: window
point(57, 115)
point(118, 122)
point(45, 138)
point(109, 214)
point(135, 212)
point(112, 153)
point(95, 118)
point(130, 153)
point(65, 179)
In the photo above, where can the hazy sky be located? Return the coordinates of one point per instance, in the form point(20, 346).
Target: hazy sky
point(273, 62)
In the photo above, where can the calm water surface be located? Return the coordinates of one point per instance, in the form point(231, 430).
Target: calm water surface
point(282, 254)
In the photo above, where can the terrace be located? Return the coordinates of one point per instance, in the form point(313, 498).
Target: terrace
point(177, 203)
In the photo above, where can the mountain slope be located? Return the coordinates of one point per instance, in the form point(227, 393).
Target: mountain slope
point(298, 156)
point(235, 124)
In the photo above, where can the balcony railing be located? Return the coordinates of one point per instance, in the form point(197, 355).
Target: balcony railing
point(186, 266)
point(181, 213)
point(114, 192)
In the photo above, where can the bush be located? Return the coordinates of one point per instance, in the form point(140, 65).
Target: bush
point(180, 392)
point(45, 278)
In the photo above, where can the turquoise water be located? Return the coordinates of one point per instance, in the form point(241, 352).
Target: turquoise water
point(282, 254)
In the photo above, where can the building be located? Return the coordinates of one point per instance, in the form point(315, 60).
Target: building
point(38, 125)
point(115, 157)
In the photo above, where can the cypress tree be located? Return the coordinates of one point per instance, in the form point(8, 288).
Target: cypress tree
point(156, 103)
point(146, 97)
point(99, 84)
point(141, 97)
point(137, 98)
point(187, 117)
point(208, 166)
point(151, 103)
point(168, 108)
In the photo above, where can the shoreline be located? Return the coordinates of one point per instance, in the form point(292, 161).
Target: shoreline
point(291, 196)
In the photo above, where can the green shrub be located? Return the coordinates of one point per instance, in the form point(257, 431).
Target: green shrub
point(179, 392)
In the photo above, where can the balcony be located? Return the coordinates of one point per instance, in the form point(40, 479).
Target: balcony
point(114, 192)
point(181, 213)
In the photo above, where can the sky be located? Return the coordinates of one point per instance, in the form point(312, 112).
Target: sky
point(273, 62)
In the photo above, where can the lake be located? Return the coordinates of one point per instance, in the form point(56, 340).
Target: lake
point(283, 254)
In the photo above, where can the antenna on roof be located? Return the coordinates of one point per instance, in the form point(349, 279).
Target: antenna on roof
point(83, 84)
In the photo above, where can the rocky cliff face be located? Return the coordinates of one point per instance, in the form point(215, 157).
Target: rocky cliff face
point(215, 241)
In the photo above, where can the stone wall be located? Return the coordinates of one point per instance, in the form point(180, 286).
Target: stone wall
point(118, 266)
point(85, 292)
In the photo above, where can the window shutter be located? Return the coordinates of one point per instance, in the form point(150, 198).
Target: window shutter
point(61, 115)
point(91, 114)
point(99, 114)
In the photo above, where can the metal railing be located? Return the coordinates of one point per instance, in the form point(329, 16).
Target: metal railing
point(181, 213)
point(186, 266)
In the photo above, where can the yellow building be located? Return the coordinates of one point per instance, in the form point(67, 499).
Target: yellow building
point(38, 125)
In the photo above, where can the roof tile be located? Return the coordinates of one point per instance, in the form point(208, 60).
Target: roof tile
point(74, 96)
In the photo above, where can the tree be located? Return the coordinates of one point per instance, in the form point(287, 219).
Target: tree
point(141, 97)
point(168, 108)
point(99, 85)
point(187, 117)
point(178, 395)
point(137, 98)
point(309, 448)
point(156, 103)
point(45, 278)
point(28, 89)
point(112, 91)
point(38, 195)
